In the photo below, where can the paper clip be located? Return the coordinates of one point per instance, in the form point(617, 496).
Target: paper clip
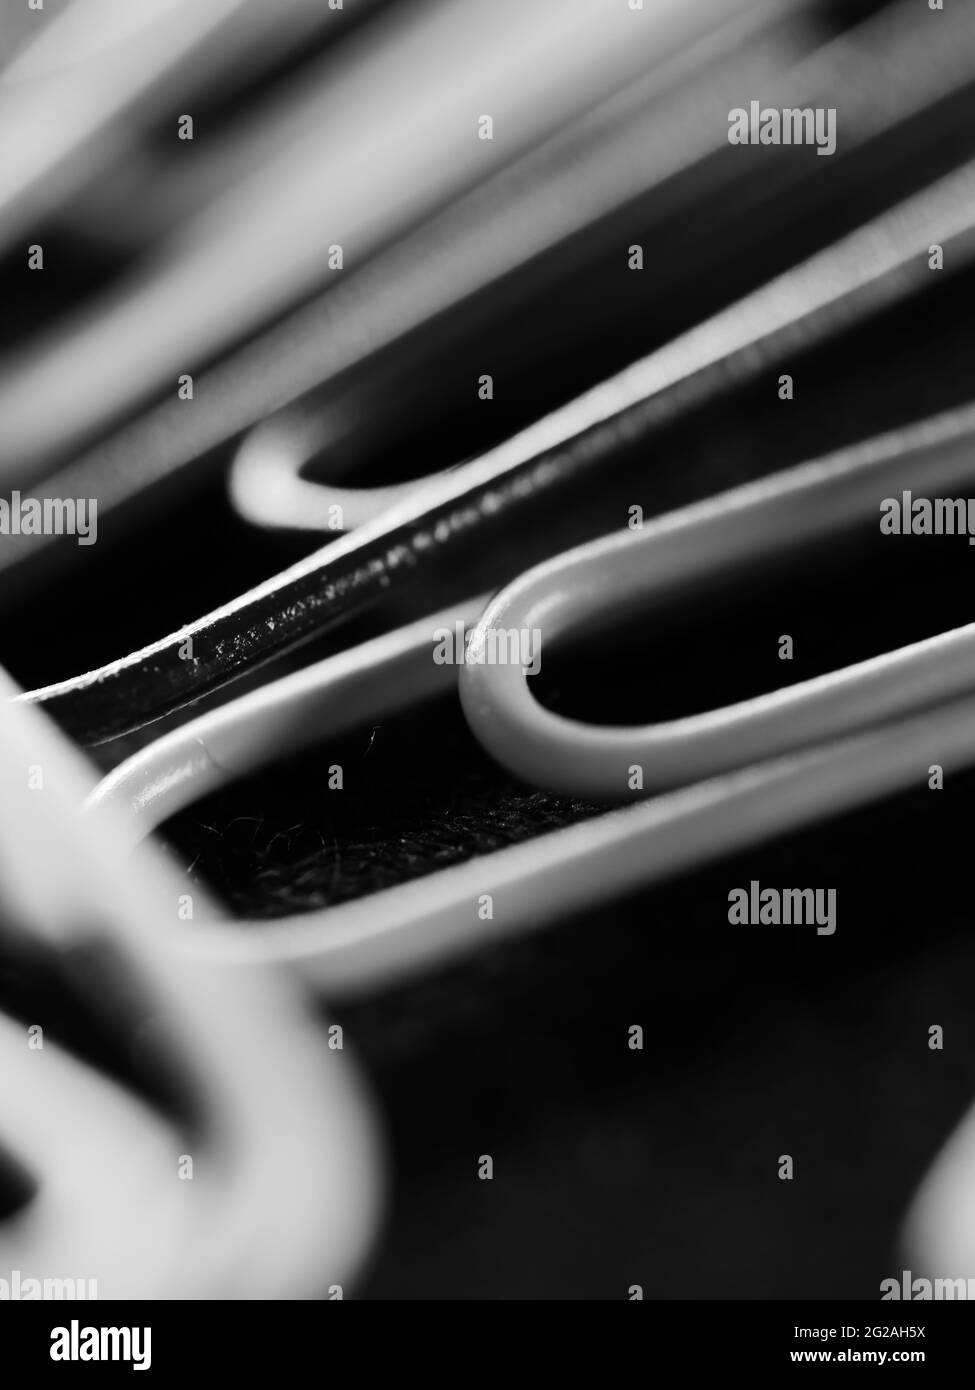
point(748, 772)
point(901, 85)
point(428, 536)
point(195, 1173)
point(207, 1019)
point(412, 85)
point(267, 488)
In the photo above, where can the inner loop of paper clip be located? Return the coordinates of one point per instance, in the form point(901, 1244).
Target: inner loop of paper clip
point(267, 487)
point(719, 537)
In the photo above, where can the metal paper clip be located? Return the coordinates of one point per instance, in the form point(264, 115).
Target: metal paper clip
point(180, 1167)
point(748, 772)
point(413, 85)
point(429, 535)
point(199, 1026)
point(654, 150)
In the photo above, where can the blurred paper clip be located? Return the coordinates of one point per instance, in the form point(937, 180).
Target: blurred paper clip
point(151, 1180)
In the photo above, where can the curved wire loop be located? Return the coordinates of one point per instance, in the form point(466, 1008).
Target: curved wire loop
point(753, 770)
point(246, 1166)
